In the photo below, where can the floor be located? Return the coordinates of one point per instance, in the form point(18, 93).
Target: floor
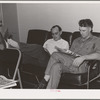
point(93, 85)
point(30, 82)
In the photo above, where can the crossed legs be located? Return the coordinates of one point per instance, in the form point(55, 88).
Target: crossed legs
point(55, 75)
point(57, 64)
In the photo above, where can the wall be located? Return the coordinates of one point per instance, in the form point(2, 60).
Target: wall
point(0, 17)
point(44, 16)
point(10, 19)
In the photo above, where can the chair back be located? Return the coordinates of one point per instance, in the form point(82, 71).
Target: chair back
point(67, 36)
point(37, 36)
point(10, 58)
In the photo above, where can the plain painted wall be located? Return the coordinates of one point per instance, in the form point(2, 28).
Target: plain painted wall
point(10, 19)
point(44, 16)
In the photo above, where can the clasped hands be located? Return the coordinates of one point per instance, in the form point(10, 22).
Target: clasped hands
point(78, 61)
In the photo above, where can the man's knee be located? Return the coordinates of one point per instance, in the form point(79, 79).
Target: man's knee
point(55, 54)
point(57, 67)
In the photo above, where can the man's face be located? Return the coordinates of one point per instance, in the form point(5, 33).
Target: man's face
point(85, 31)
point(56, 34)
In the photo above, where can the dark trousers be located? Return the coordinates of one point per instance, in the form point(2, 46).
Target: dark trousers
point(34, 54)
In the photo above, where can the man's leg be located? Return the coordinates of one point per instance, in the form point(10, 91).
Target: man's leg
point(56, 57)
point(55, 76)
point(35, 53)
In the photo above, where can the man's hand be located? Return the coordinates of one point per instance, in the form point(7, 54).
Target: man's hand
point(60, 49)
point(78, 61)
point(46, 51)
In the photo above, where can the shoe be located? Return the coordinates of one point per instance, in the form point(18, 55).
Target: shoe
point(42, 84)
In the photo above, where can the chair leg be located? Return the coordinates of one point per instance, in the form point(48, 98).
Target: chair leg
point(19, 77)
point(87, 85)
point(88, 77)
point(88, 81)
point(37, 79)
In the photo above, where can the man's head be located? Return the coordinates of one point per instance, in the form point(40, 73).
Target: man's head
point(56, 32)
point(85, 27)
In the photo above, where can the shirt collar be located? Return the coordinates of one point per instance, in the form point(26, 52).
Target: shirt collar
point(81, 39)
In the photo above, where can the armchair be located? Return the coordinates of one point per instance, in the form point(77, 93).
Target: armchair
point(37, 36)
point(82, 79)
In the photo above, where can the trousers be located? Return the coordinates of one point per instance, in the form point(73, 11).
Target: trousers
point(61, 63)
point(34, 54)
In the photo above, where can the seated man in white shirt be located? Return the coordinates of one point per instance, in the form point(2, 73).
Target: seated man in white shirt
point(52, 45)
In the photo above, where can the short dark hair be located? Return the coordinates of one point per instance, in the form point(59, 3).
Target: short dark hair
point(86, 23)
point(60, 29)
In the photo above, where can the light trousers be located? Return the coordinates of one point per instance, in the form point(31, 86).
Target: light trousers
point(60, 63)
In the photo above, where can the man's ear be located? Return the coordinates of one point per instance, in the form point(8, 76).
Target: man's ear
point(90, 29)
point(60, 32)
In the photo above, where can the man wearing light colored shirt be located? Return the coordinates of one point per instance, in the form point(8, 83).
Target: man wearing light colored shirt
point(51, 45)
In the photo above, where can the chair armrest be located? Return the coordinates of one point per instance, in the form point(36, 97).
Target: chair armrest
point(93, 71)
point(93, 63)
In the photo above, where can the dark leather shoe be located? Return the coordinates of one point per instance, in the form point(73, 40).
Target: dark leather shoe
point(42, 84)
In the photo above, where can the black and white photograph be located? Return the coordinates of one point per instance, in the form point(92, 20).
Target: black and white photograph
point(50, 47)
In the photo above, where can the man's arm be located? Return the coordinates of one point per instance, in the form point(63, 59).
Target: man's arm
point(60, 49)
point(78, 61)
point(92, 56)
point(47, 51)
